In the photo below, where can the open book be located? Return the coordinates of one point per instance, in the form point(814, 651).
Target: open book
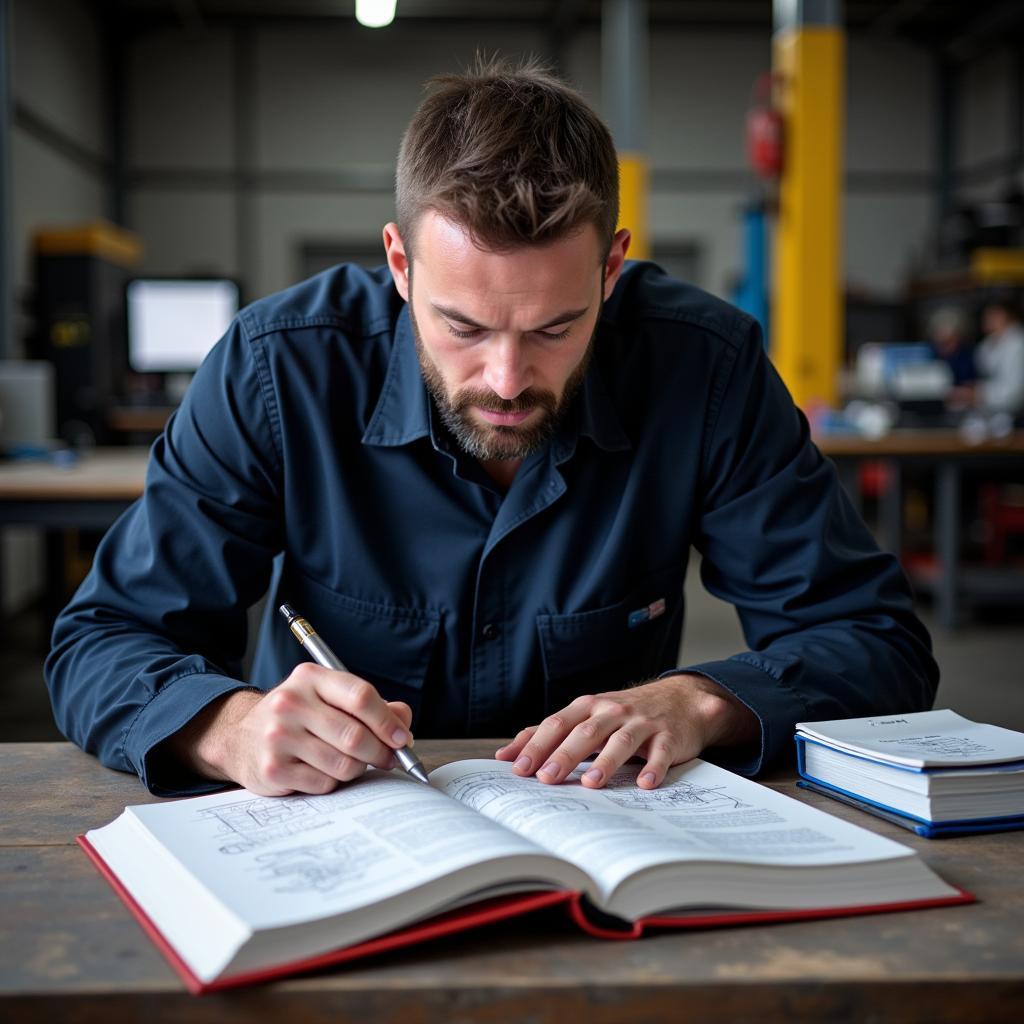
point(235, 887)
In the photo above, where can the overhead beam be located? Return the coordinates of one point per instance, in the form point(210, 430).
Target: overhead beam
point(986, 29)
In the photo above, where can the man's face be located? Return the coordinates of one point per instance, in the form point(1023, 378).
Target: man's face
point(503, 338)
point(994, 320)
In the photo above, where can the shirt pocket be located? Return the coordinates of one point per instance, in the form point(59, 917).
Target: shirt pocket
point(607, 648)
point(388, 645)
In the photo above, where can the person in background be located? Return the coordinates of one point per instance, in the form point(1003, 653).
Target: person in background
point(947, 336)
point(999, 390)
point(1000, 359)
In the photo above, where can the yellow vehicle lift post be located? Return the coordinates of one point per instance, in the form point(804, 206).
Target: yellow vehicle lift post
point(807, 332)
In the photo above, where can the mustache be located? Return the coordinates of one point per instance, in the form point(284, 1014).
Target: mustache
point(490, 402)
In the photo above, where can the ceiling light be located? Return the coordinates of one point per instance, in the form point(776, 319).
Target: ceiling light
point(375, 13)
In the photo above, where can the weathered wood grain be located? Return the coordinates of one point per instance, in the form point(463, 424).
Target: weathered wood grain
point(69, 950)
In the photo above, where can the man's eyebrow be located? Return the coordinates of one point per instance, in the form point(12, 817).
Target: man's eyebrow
point(563, 318)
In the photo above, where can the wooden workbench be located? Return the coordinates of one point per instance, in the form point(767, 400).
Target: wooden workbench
point(69, 950)
point(949, 457)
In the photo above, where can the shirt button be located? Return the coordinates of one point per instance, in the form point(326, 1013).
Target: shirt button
point(490, 631)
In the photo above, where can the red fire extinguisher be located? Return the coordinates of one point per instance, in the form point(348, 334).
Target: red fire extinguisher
point(764, 130)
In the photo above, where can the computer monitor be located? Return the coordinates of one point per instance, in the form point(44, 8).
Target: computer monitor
point(173, 323)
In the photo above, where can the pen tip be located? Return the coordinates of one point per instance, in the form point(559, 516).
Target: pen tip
point(418, 773)
point(287, 611)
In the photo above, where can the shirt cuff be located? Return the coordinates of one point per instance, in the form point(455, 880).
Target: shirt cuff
point(171, 708)
point(778, 709)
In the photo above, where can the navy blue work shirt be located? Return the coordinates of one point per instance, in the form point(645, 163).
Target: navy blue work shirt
point(307, 441)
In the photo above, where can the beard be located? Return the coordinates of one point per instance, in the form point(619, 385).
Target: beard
point(487, 441)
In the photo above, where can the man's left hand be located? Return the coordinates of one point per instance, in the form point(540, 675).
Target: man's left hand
point(667, 721)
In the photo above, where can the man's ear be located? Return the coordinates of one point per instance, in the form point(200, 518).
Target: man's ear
point(398, 261)
point(616, 259)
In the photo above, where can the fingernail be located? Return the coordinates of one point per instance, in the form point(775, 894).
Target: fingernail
point(647, 777)
point(595, 775)
point(400, 736)
point(523, 764)
point(550, 770)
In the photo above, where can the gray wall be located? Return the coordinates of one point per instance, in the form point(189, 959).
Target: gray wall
point(58, 150)
point(243, 146)
point(59, 139)
point(316, 114)
point(323, 110)
point(989, 125)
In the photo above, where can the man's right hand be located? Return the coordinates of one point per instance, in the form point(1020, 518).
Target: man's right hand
point(315, 729)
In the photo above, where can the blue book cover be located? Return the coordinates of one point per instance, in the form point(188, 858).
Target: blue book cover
point(918, 825)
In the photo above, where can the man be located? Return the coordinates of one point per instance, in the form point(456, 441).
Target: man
point(999, 359)
point(947, 337)
point(480, 471)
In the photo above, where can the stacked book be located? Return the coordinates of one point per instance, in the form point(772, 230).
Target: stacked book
point(934, 772)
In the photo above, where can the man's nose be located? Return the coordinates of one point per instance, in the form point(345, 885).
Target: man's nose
point(506, 372)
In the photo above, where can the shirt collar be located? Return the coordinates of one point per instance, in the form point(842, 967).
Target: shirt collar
point(598, 418)
point(402, 413)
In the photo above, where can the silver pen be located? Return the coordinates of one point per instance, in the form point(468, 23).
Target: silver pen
point(323, 655)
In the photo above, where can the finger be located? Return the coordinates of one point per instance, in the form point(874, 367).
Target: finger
point(332, 762)
point(590, 735)
point(661, 755)
point(510, 751)
point(549, 734)
point(404, 712)
point(346, 735)
point(361, 700)
point(620, 747)
point(278, 774)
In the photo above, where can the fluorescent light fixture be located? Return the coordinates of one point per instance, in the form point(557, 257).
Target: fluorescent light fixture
point(375, 13)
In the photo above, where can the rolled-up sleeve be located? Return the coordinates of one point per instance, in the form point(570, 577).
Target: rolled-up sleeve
point(157, 629)
point(827, 616)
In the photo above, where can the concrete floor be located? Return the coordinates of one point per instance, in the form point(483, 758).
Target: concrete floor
point(982, 664)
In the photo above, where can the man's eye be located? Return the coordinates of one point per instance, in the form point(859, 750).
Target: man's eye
point(472, 333)
point(554, 337)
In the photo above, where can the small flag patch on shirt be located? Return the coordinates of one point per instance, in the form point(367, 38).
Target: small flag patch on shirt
point(642, 615)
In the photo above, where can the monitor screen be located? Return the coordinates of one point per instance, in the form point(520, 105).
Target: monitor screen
point(172, 324)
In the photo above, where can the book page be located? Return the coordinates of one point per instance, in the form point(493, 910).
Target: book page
point(923, 739)
point(275, 861)
point(699, 813)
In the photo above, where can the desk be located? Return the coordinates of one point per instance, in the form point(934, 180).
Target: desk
point(139, 419)
point(70, 950)
point(948, 454)
point(88, 495)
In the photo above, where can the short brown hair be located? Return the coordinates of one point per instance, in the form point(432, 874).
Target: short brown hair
point(511, 153)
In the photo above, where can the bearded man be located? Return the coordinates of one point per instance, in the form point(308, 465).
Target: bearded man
point(480, 471)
